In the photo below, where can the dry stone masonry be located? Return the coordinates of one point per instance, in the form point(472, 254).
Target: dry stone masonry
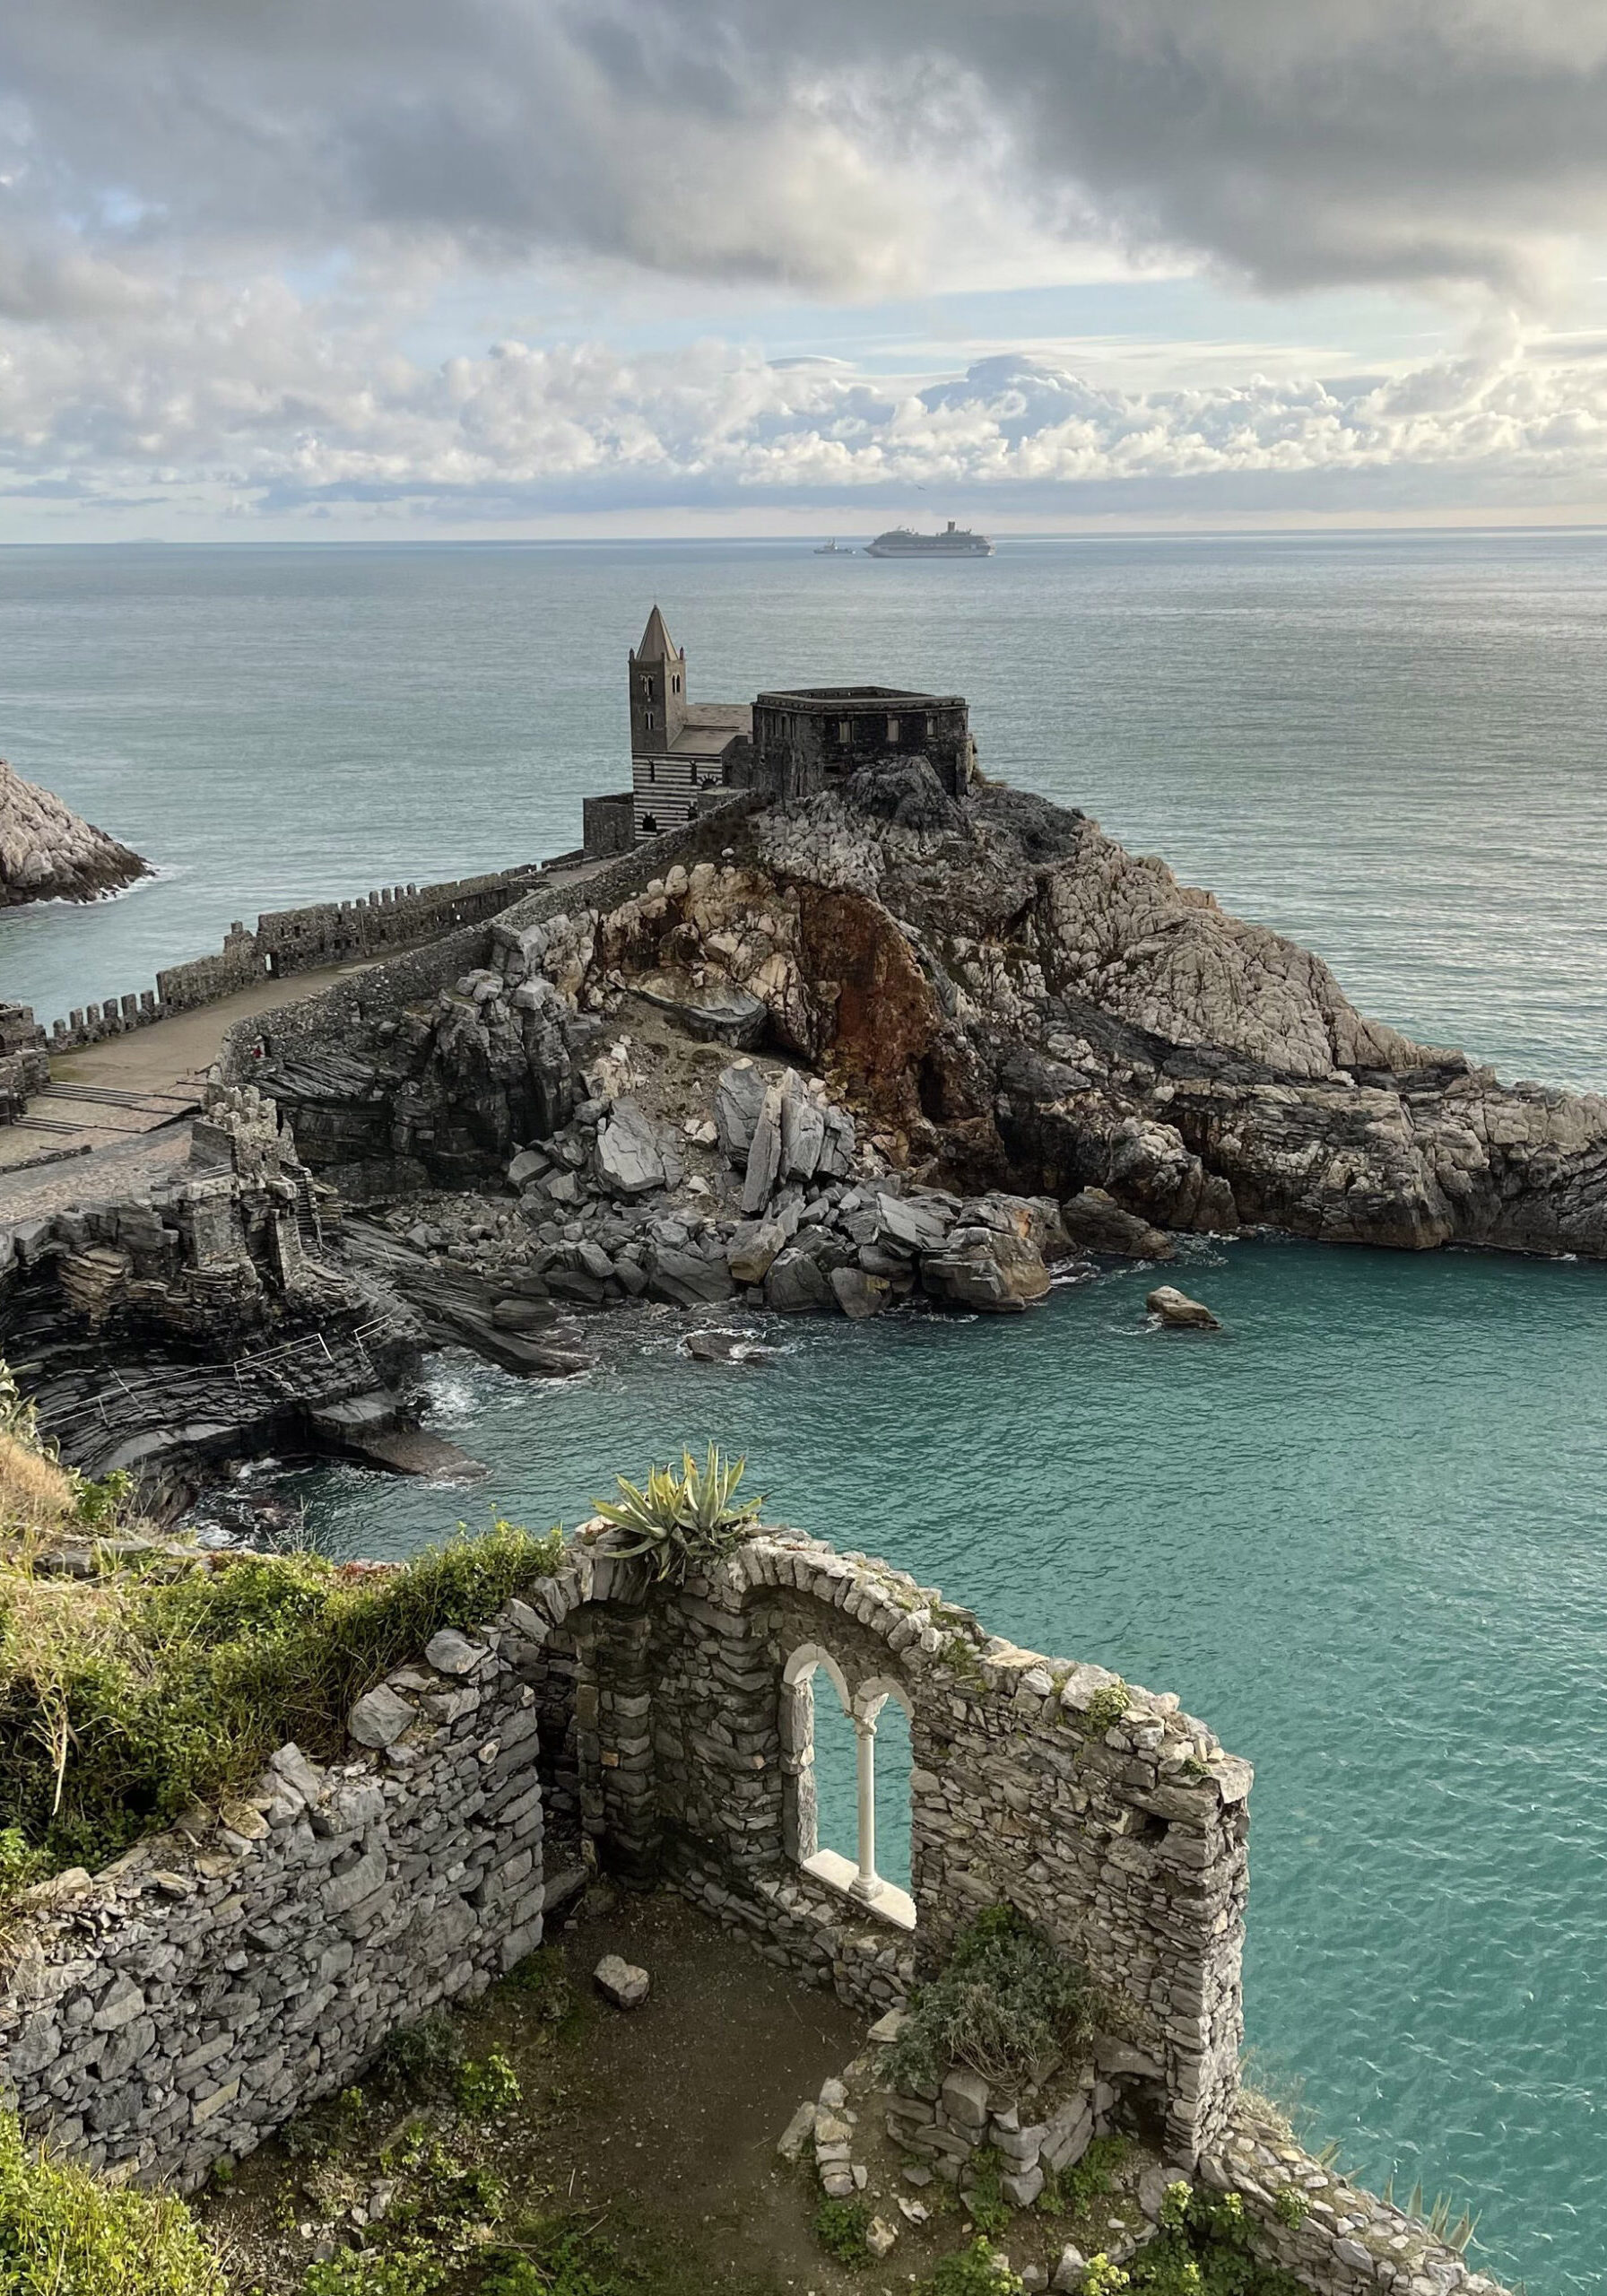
point(185, 2002)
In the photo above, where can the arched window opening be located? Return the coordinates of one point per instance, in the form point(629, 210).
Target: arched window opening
point(822, 1792)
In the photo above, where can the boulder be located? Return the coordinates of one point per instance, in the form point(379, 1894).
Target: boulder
point(918, 1226)
point(523, 1315)
point(629, 1160)
point(1096, 1222)
point(802, 1129)
point(708, 1004)
point(1178, 1312)
point(796, 1283)
point(528, 1165)
point(686, 1280)
point(986, 1272)
point(621, 1981)
point(764, 1153)
point(752, 1248)
point(738, 1098)
point(858, 1294)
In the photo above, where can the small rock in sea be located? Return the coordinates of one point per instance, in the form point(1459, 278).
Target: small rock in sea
point(1179, 1312)
point(621, 1981)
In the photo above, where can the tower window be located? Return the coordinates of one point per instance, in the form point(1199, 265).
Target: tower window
point(648, 721)
point(649, 825)
point(647, 685)
point(675, 681)
point(842, 729)
point(892, 729)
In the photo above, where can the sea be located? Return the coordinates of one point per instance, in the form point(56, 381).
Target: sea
point(1363, 1530)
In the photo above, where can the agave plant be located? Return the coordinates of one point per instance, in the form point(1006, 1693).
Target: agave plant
point(682, 1522)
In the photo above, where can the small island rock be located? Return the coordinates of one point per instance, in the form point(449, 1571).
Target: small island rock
point(47, 852)
point(1179, 1312)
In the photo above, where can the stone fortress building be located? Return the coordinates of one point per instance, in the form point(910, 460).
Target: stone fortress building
point(686, 755)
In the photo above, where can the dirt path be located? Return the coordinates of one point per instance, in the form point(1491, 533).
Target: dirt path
point(103, 1095)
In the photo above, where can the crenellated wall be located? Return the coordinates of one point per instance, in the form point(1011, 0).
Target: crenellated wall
point(299, 940)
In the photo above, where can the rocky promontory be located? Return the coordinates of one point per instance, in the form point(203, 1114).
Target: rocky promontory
point(1004, 1000)
point(48, 853)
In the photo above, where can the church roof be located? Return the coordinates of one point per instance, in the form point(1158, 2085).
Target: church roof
point(657, 645)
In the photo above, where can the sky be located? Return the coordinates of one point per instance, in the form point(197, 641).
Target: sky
point(429, 269)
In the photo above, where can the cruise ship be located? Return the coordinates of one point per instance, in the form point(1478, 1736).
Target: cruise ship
point(954, 542)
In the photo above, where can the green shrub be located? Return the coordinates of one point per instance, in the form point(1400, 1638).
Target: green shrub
point(975, 2270)
point(840, 2227)
point(428, 2056)
point(123, 1702)
point(1105, 1708)
point(1003, 2002)
point(1292, 2207)
point(682, 1523)
point(62, 2234)
point(488, 2088)
point(1074, 2190)
point(1207, 2247)
point(543, 1983)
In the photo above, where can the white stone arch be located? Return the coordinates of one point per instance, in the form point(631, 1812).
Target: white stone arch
point(857, 1880)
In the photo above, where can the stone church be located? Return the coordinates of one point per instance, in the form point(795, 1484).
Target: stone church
point(686, 755)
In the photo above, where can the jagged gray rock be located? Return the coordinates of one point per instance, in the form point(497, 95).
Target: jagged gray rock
point(1096, 1222)
point(48, 853)
point(628, 1157)
point(738, 1098)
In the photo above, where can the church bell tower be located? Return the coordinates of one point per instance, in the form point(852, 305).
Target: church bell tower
point(657, 691)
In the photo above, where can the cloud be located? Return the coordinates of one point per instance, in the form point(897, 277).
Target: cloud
point(255, 397)
point(850, 146)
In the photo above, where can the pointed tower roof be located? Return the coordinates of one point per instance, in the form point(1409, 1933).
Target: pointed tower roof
point(657, 645)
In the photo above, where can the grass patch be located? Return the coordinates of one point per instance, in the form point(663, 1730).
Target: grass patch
point(977, 2270)
point(1005, 2001)
point(124, 1700)
point(62, 2234)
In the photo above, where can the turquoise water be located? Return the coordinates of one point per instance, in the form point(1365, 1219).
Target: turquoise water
point(1390, 747)
point(1362, 1532)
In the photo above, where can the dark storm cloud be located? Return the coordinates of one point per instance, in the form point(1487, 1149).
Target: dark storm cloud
point(1300, 142)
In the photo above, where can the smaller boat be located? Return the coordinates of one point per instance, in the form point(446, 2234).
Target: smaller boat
point(833, 549)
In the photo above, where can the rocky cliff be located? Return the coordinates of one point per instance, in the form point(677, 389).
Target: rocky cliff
point(47, 852)
point(1006, 1000)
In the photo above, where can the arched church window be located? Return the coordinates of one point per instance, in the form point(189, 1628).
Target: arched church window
point(857, 1877)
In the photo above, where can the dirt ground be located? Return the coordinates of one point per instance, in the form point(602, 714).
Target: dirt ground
point(639, 2159)
point(653, 2132)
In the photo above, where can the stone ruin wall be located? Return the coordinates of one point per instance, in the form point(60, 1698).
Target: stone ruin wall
point(340, 1016)
point(188, 2000)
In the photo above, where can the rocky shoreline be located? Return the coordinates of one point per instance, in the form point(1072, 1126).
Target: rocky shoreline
point(878, 1047)
point(48, 853)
